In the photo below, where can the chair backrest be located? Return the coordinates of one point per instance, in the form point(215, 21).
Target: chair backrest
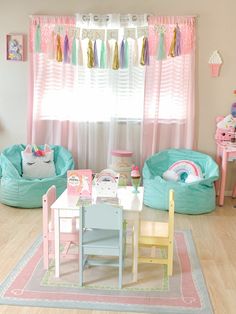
point(171, 214)
point(48, 199)
point(101, 216)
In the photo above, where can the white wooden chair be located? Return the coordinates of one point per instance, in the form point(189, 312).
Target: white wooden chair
point(67, 237)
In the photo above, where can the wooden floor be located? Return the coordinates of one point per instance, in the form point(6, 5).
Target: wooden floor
point(214, 235)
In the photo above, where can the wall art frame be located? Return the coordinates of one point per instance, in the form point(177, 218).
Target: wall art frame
point(15, 47)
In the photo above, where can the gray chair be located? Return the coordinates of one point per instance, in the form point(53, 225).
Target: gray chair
point(101, 235)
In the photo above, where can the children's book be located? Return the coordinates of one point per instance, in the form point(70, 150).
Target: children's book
point(79, 182)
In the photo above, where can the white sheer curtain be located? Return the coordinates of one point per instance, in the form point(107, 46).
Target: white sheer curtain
point(169, 104)
point(92, 111)
point(89, 111)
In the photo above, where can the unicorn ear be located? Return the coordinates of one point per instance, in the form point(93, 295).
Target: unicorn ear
point(47, 148)
point(28, 149)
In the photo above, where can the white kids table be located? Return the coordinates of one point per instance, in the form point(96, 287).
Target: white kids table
point(66, 206)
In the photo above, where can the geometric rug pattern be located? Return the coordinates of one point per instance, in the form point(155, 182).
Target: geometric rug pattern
point(28, 284)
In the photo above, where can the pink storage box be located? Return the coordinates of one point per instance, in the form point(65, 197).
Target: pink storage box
point(122, 163)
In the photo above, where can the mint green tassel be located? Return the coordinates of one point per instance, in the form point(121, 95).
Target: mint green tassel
point(126, 54)
point(74, 52)
point(80, 53)
point(103, 56)
point(161, 54)
point(37, 39)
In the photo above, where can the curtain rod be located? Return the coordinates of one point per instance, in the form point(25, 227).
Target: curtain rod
point(73, 15)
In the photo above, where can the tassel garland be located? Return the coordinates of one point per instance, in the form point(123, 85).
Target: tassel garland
point(66, 49)
point(146, 55)
point(177, 42)
point(126, 54)
point(90, 54)
point(80, 53)
point(108, 54)
point(172, 46)
point(74, 52)
point(142, 61)
point(59, 51)
point(37, 40)
point(122, 54)
point(161, 53)
point(103, 56)
point(95, 54)
point(145, 52)
point(50, 48)
point(135, 58)
point(115, 63)
point(99, 52)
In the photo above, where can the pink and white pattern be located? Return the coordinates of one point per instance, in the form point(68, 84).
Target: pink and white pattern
point(185, 291)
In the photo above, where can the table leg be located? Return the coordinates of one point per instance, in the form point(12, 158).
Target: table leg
point(57, 242)
point(218, 161)
point(234, 191)
point(135, 249)
point(223, 177)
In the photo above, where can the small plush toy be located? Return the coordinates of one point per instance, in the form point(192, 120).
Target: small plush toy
point(233, 110)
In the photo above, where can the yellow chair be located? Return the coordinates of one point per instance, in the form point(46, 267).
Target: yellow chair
point(154, 234)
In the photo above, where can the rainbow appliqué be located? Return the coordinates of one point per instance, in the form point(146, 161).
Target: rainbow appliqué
point(184, 168)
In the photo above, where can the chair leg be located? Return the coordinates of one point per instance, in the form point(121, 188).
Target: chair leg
point(45, 252)
point(81, 257)
point(120, 270)
point(170, 259)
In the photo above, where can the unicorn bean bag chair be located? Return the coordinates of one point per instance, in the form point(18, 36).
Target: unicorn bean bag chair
point(189, 173)
point(27, 172)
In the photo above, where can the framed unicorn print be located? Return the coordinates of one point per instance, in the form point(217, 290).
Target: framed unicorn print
point(15, 50)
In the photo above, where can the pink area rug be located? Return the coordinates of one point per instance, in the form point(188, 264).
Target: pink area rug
point(183, 293)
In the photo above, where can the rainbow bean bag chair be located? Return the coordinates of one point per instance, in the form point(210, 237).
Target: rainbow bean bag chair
point(191, 197)
point(17, 190)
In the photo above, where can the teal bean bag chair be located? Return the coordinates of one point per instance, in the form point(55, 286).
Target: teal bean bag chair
point(18, 191)
point(190, 198)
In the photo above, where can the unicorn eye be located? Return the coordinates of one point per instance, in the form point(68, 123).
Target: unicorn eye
point(30, 163)
point(47, 161)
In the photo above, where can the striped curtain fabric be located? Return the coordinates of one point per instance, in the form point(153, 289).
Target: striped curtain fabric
point(169, 104)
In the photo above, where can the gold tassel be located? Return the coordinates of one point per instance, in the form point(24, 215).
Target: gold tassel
point(59, 51)
point(90, 54)
point(142, 60)
point(173, 43)
point(115, 64)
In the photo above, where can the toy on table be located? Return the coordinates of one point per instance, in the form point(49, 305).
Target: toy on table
point(226, 126)
point(185, 171)
point(135, 178)
point(106, 183)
